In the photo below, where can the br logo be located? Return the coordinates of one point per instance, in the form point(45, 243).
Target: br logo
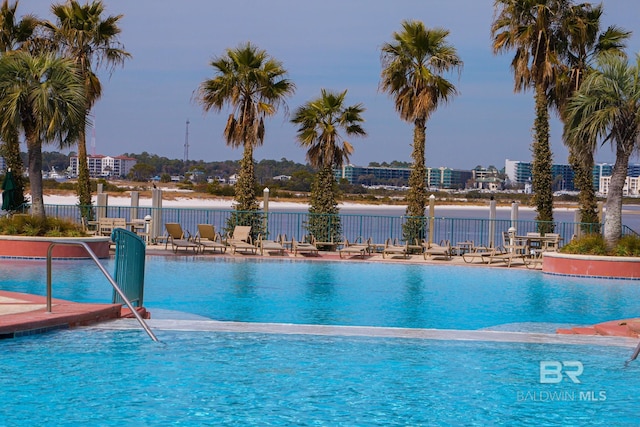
point(552, 371)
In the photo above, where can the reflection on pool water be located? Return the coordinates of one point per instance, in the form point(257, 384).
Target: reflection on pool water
point(91, 377)
point(349, 293)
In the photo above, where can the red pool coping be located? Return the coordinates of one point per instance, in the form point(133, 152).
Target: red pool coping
point(613, 328)
point(30, 316)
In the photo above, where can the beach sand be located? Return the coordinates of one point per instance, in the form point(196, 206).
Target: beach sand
point(219, 203)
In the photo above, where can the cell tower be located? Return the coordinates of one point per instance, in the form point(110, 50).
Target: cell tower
point(93, 139)
point(186, 143)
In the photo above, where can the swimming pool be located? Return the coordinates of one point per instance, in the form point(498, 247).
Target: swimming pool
point(348, 293)
point(81, 377)
point(94, 376)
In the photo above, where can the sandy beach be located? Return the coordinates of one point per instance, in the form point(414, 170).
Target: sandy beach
point(219, 203)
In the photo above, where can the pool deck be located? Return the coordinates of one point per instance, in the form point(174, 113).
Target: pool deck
point(25, 314)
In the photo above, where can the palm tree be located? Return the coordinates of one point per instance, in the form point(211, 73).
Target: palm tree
point(581, 25)
point(533, 29)
point(320, 121)
point(606, 107)
point(412, 74)
point(90, 40)
point(253, 85)
point(42, 96)
point(13, 35)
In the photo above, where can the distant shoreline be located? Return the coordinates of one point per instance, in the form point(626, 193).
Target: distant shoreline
point(220, 203)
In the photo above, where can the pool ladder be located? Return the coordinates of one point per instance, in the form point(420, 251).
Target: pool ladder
point(107, 275)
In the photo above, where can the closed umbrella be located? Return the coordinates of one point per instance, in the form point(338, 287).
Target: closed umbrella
point(8, 192)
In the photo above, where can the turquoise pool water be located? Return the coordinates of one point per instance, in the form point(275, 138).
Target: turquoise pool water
point(348, 293)
point(111, 377)
point(81, 377)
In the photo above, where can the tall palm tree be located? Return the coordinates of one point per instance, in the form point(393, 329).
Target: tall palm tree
point(585, 41)
point(253, 85)
point(412, 68)
point(533, 29)
point(90, 39)
point(320, 122)
point(14, 34)
point(606, 108)
point(42, 96)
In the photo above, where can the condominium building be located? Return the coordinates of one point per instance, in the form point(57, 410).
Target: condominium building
point(442, 177)
point(631, 186)
point(520, 173)
point(104, 166)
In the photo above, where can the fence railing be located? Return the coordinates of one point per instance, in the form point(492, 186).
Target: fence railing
point(295, 224)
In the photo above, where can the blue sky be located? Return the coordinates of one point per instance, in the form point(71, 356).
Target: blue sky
point(332, 44)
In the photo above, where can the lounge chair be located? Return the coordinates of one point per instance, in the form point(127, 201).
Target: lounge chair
point(482, 253)
point(286, 242)
point(432, 249)
point(304, 248)
point(270, 245)
point(361, 248)
point(330, 245)
point(241, 240)
point(394, 248)
point(515, 250)
point(177, 238)
point(207, 238)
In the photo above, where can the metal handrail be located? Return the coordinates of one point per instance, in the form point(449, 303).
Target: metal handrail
point(107, 275)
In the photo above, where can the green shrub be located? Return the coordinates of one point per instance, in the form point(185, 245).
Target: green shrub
point(628, 246)
point(26, 225)
point(594, 244)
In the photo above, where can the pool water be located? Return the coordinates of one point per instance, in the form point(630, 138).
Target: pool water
point(93, 376)
point(348, 293)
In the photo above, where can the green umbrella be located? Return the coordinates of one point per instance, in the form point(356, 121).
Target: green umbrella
point(8, 192)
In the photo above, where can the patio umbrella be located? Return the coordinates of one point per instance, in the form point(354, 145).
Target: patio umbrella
point(8, 192)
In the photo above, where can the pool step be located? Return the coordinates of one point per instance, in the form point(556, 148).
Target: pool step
point(25, 314)
point(617, 328)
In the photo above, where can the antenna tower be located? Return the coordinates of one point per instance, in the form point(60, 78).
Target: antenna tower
point(93, 139)
point(186, 143)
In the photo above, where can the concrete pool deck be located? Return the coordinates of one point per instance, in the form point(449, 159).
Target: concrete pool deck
point(24, 314)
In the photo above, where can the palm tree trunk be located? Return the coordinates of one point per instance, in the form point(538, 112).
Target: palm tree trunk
point(582, 166)
point(324, 222)
point(34, 153)
point(245, 187)
point(542, 161)
point(84, 180)
point(417, 197)
point(613, 206)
